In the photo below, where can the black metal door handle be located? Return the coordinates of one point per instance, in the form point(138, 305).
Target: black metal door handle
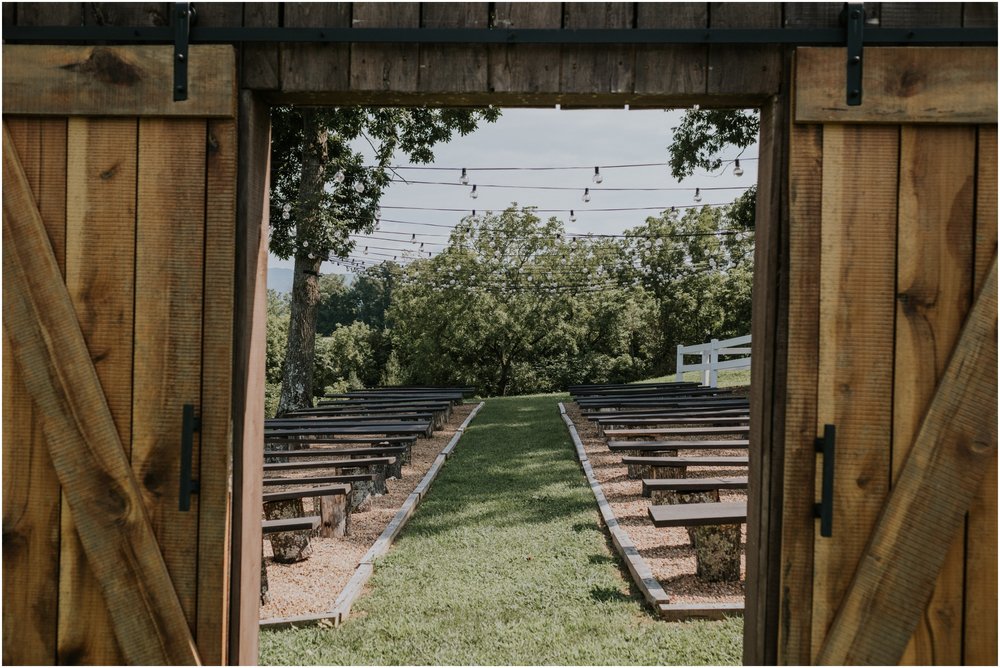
point(824, 509)
point(188, 486)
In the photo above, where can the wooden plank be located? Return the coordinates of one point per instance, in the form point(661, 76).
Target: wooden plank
point(528, 68)
point(675, 70)
point(48, 13)
point(680, 612)
point(141, 14)
point(797, 522)
point(170, 212)
point(101, 223)
point(385, 66)
point(453, 67)
point(31, 506)
point(934, 292)
point(935, 488)
point(698, 514)
point(249, 348)
point(979, 15)
point(315, 67)
point(98, 483)
point(767, 387)
point(261, 62)
point(307, 523)
point(980, 632)
point(593, 70)
point(748, 70)
point(215, 502)
point(901, 85)
point(857, 305)
point(922, 14)
point(813, 14)
point(117, 81)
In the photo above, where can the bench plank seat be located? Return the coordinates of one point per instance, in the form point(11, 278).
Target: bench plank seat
point(331, 464)
point(721, 420)
point(327, 490)
point(308, 523)
point(326, 420)
point(660, 446)
point(321, 479)
point(698, 514)
point(670, 431)
point(649, 485)
point(666, 412)
point(338, 452)
point(720, 462)
point(312, 439)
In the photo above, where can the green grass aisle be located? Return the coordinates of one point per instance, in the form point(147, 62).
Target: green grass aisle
point(505, 563)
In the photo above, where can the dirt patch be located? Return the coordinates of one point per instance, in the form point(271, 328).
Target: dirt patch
point(312, 586)
point(668, 551)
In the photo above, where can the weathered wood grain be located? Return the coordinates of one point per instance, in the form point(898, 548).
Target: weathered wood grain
point(955, 444)
point(148, 14)
point(901, 85)
point(813, 14)
point(453, 67)
point(530, 68)
point(934, 292)
point(169, 261)
point(857, 304)
point(47, 13)
point(979, 14)
point(923, 14)
point(980, 633)
point(797, 521)
point(249, 347)
point(752, 70)
point(671, 69)
point(590, 70)
point(98, 483)
point(385, 66)
point(215, 497)
point(261, 62)
point(31, 504)
point(118, 81)
point(316, 67)
point(101, 223)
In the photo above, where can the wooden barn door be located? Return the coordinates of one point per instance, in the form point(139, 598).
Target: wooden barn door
point(118, 248)
point(892, 339)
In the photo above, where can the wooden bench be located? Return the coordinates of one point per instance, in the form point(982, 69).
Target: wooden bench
point(714, 529)
point(402, 452)
point(349, 429)
point(320, 480)
point(307, 523)
point(671, 431)
point(333, 506)
point(646, 467)
point(667, 446)
point(664, 412)
point(375, 465)
point(650, 485)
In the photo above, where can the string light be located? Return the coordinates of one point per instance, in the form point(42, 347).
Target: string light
point(597, 175)
point(737, 170)
point(586, 194)
point(359, 187)
point(339, 176)
point(473, 194)
point(572, 216)
point(697, 194)
point(464, 179)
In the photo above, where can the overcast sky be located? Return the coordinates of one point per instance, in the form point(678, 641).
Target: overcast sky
point(549, 138)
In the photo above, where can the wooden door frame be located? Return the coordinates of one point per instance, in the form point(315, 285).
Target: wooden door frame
point(769, 330)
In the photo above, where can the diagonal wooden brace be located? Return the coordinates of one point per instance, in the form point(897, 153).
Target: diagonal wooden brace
point(97, 480)
point(926, 508)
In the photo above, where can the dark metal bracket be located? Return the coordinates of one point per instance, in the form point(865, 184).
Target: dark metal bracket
point(825, 444)
point(190, 424)
point(183, 20)
point(855, 23)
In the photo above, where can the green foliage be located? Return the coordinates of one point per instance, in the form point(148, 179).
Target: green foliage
point(344, 359)
point(336, 304)
point(702, 135)
point(322, 222)
point(505, 563)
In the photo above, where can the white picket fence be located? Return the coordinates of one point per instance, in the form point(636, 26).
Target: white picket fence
point(709, 353)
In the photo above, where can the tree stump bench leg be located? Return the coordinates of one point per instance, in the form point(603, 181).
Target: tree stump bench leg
point(288, 547)
point(334, 516)
point(666, 496)
point(638, 471)
point(717, 547)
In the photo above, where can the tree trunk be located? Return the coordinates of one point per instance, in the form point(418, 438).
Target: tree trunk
point(297, 372)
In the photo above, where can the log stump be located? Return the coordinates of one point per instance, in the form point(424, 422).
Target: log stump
point(665, 496)
point(289, 547)
point(334, 515)
point(717, 547)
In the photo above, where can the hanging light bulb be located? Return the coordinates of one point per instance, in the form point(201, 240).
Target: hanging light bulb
point(697, 194)
point(586, 194)
point(737, 170)
point(359, 187)
point(473, 194)
point(366, 250)
point(464, 180)
point(413, 237)
point(597, 175)
point(572, 216)
point(312, 256)
point(339, 176)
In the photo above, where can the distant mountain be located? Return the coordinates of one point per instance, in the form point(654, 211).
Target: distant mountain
point(279, 279)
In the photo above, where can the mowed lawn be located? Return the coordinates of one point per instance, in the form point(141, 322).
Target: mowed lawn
point(505, 562)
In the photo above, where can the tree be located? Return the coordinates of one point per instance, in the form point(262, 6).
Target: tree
point(336, 304)
point(322, 193)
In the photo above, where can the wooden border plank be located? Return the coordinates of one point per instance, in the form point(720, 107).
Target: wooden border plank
point(857, 306)
point(215, 502)
point(901, 85)
point(804, 262)
point(980, 632)
point(101, 224)
point(31, 495)
point(98, 482)
point(453, 67)
point(119, 81)
point(935, 488)
point(385, 66)
point(676, 69)
point(933, 294)
point(169, 249)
